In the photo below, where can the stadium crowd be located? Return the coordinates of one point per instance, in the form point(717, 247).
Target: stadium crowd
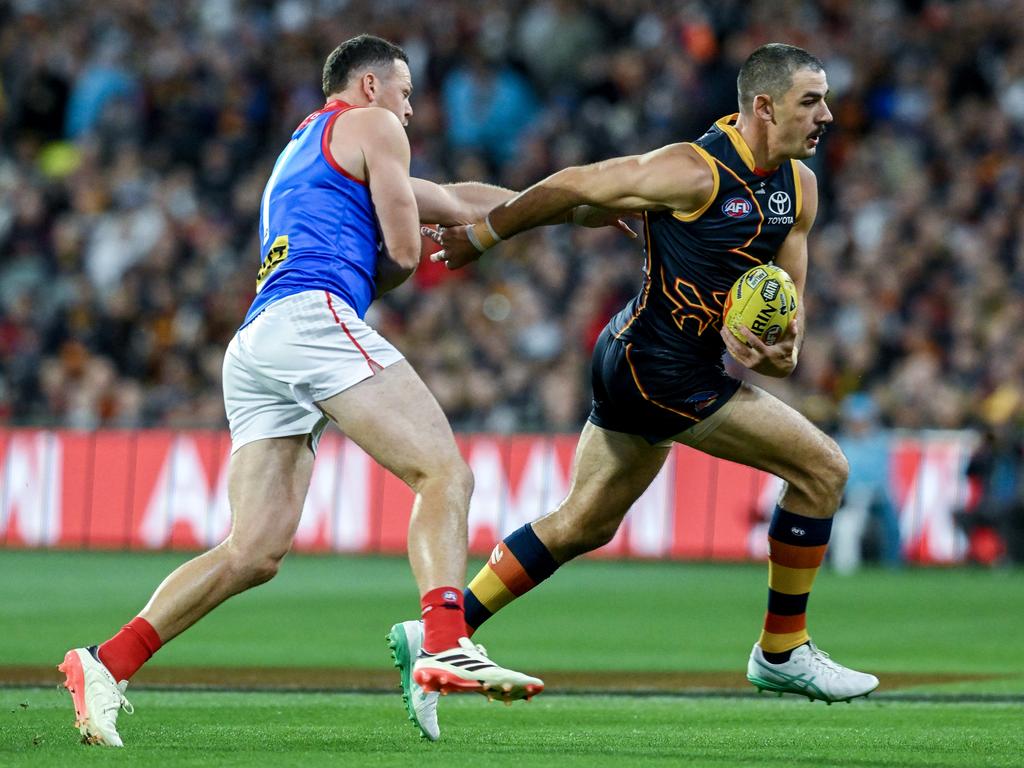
point(136, 136)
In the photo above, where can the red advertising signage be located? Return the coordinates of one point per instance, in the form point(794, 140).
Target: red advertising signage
point(158, 489)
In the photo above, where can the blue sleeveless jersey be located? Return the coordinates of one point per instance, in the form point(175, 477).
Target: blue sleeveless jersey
point(318, 229)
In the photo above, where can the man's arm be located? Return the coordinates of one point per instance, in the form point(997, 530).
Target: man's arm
point(792, 256)
point(446, 205)
point(453, 204)
point(385, 149)
point(675, 177)
point(450, 205)
point(780, 359)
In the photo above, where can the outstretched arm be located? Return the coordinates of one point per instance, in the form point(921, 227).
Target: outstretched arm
point(450, 205)
point(453, 204)
point(674, 177)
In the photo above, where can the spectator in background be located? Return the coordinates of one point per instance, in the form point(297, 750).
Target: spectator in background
point(555, 37)
point(488, 106)
point(994, 523)
point(919, 244)
point(867, 497)
point(101, 83)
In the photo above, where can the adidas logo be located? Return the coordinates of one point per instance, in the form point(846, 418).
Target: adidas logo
point(496, 554)
point(462, 661)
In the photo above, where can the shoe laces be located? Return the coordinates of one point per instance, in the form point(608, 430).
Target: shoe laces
point(118, 701)
point(469, 645)
point(823, 661)
point(464, 643)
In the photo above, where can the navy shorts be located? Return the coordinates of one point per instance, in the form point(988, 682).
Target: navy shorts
point(642, 391)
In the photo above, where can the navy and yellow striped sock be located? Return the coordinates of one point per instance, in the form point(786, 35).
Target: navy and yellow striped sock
point(796, 549)
point(517, 564)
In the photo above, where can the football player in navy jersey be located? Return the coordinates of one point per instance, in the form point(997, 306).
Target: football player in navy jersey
point(737, 197)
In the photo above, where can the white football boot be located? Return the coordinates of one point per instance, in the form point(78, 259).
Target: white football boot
point(98, 698)
point(405, 640)
point(809, 672)
point(466, 669)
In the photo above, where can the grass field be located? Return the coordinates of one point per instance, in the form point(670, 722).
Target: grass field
point(949, 642)
point(230, 729)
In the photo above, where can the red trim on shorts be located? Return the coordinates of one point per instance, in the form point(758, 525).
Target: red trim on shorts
point(325, 142)
point(373, 364)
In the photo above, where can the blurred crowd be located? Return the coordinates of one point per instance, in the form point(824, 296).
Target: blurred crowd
point(136, 137)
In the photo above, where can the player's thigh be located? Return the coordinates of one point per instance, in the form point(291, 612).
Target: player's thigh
point(611, 471)
point(396, 420)
point(267, 484)
point(761, 431)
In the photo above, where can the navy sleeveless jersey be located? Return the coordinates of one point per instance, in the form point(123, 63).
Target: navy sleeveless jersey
point(693, 259)
point(318, 228)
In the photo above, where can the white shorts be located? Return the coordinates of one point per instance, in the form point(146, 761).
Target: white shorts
point(300, 350)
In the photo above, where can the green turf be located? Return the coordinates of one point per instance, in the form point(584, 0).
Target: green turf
point(328, 611)
point(205, 729)
point(324, 611)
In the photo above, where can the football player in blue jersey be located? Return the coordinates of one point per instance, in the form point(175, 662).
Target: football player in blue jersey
point(713, 208)
point(339, 224)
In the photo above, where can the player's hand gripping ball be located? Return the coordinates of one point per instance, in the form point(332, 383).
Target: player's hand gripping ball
point(764, 300)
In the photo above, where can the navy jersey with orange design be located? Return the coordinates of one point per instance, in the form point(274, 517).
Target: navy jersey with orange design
point(657, 368)
point(693, 259)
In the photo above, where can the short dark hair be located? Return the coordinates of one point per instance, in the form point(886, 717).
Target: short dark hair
point(770, 70)
point(355, 54)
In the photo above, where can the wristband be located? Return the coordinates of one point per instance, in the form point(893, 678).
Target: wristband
point(484, 238)
point(490, 229)
point(473, 239)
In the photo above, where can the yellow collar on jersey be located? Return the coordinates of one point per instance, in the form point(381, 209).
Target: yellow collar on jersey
point(727, 125)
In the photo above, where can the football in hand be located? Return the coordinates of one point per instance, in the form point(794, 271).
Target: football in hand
point(763, 299)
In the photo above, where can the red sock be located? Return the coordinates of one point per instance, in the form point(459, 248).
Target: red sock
point(444, 620)
point(130, 648)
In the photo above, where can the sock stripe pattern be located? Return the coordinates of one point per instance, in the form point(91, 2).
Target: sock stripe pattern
point(796, 549)
point(516, 565)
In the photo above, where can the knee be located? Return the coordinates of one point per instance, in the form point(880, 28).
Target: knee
point(828, 473)
point(461, 478)
point(452, 471)
point(839, 470)
point(599, 533)
point(569, 533)
point(254, 565)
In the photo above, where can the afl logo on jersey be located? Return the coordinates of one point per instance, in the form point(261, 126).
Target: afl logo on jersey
point(778, 203)
point(737, 207)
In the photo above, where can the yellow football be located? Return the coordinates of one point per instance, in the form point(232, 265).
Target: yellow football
point(763, 299)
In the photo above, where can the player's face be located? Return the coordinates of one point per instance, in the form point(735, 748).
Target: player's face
point(802, 114)
point(395, 88)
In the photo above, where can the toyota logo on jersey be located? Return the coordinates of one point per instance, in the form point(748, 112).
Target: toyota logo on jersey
point(778, 203)
point(737, 207)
